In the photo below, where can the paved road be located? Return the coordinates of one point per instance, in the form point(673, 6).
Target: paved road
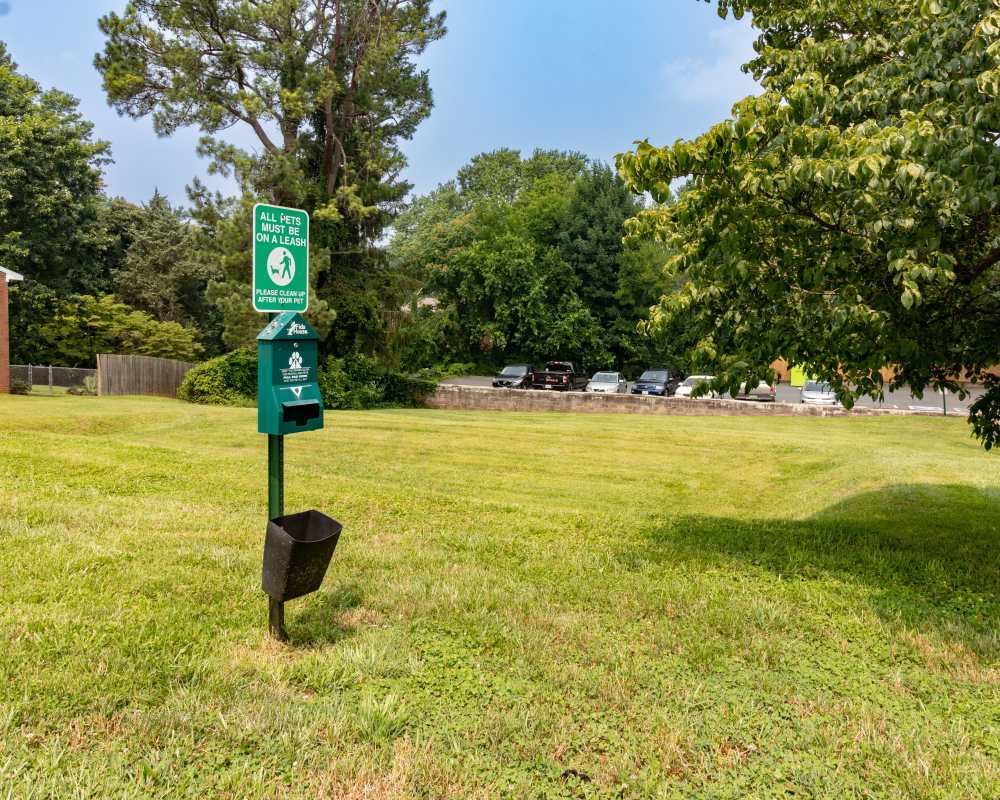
point(902, 399)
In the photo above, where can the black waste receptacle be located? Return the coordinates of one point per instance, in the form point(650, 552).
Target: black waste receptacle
point(297, 551)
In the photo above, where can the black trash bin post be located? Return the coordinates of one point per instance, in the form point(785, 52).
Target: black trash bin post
point(297, 552)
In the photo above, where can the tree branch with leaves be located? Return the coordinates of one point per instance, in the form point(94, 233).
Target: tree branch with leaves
point(848, 217)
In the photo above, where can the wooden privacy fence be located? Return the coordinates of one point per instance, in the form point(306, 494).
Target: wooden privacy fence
point(139, 375)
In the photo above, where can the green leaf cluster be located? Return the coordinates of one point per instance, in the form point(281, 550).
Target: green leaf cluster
point(165, 272)
point(846, 218)
point(227, 380)
point(359, 381)
point(79, 327)
point(51, 224)
point(524, 260)
point(328, 89)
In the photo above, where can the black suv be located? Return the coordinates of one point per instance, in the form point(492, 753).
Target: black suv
point(513, 376)
point(661, 381)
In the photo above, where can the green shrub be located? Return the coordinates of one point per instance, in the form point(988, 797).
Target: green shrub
point(89, 387)
point(335, 386)
point(82, 325)
point(439, 372)
point(227, 380)
point(355, 382)
point(358, 382)
point(403, 390)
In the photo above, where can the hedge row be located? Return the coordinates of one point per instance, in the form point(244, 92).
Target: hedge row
point(355, 382)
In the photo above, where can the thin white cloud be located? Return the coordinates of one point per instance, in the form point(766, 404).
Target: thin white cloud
point(716, 81)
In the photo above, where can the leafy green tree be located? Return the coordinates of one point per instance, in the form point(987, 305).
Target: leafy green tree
point(552, 200)
point(642, 281)
point(486, 246)
point(495, 179)
point(846, 218)
point(424, 337)
point(117, 220)
point(616, 283)
point(514, 299)
point(500, 176)
point(426, 231)
point(590, 239)
point(328, 88)
point(83, 326)
point(164, 272)
point(50, 185)
point(32, 307)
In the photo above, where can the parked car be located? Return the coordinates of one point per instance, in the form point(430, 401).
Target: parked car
point(818, 393)
point(763, 392)
point(513, 376)
point(689, 384)
point(660, 381)
point(607, 383)
point(562, 376)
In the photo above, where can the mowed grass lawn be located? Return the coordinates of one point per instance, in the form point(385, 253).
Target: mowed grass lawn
point(521, 605)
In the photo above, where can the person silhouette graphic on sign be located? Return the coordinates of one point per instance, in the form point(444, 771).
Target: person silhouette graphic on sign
point(281, 266)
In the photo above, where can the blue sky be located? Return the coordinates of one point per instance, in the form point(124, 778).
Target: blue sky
point(588, 75)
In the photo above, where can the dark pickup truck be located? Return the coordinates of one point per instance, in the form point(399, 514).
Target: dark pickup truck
point(562, 376)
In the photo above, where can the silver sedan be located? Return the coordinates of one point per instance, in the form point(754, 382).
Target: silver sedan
point(608, 383)
point(818, 393)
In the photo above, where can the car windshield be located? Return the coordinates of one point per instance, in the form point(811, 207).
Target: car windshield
point(696, 380)
point(556, 366)
point(512, 372)
point(817, 386)
point(605, 377)
point(654, 375)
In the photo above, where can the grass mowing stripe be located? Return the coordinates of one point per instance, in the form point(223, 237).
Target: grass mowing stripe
point(529, 605)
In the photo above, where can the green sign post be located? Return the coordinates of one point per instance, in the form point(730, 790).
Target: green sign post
point(280, 259)
point(280, 284)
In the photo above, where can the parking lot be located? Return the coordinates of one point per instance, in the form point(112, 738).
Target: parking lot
point(901, 399)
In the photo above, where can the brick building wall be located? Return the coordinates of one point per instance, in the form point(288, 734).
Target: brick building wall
point(4, 337)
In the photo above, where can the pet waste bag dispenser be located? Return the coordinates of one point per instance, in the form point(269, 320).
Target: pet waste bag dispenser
point(288, 398)
point(297, 547)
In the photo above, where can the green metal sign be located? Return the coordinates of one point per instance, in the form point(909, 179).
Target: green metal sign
point(280, 259)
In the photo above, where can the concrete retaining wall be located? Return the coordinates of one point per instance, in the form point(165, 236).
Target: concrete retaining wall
point(473, 398)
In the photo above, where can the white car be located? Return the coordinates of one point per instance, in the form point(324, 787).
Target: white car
point(818, 393)
point(608, 383)
point(686, 388)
